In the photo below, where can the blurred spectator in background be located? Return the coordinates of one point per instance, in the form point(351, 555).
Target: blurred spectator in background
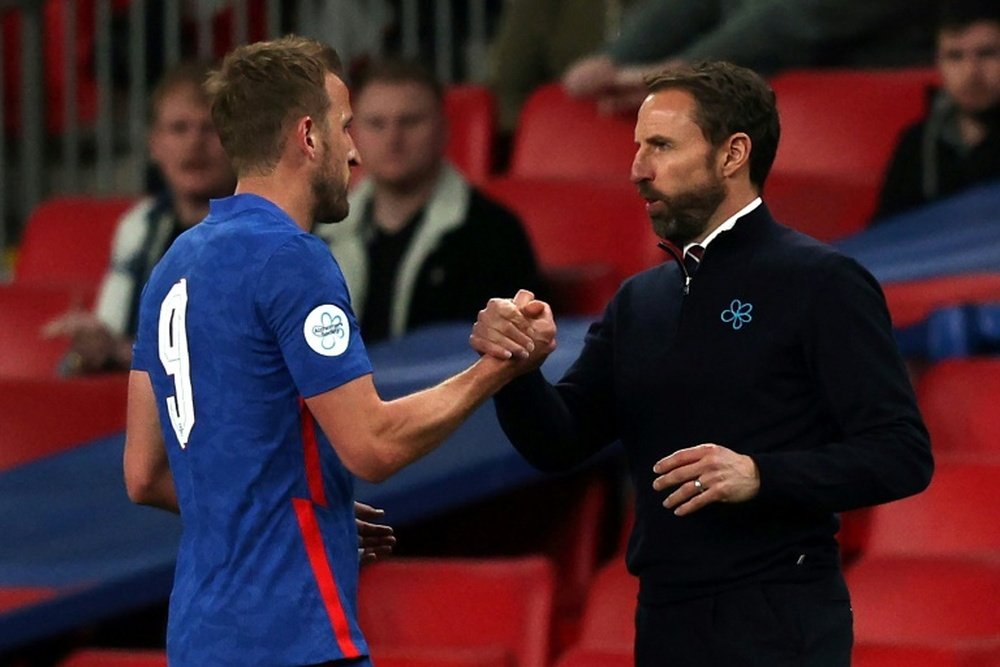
point(958, 144)
point(538, 39)
point(184, 146)
point(420, 244)
point(764, 35)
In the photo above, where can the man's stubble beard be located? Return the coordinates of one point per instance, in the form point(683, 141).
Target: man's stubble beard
point(687, 214)
point(329, 194)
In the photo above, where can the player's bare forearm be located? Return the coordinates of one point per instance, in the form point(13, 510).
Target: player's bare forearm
point(148, 479)
point(376, 438)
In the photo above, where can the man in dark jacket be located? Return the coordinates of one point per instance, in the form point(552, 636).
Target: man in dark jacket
point(421, 244)
point(958, 144)
point(753, 381)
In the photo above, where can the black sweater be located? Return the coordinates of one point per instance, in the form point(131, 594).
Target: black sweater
point(812, 387)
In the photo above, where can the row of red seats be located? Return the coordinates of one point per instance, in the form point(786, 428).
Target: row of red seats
point(923, 589)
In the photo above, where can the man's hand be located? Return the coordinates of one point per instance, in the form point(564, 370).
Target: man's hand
point(375, 540)
point(705, 474)
point(589, 76)
point(521, 328)
point(93, 348)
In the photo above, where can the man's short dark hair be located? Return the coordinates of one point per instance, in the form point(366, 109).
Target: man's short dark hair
point(960, 14)
point(398, 70)
point(729, 99)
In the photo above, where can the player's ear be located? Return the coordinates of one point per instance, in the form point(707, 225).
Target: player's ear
point(305, 135)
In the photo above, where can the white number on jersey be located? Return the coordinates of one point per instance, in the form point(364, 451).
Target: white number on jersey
point(176, 360)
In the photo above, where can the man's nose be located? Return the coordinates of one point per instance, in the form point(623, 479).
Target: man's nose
point(639, 171)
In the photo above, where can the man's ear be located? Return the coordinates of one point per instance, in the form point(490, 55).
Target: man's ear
point(305, 135)
point(736, 153)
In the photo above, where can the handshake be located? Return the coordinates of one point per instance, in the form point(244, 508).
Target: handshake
point(521, 329)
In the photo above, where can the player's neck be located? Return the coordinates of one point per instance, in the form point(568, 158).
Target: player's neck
point(286, 194)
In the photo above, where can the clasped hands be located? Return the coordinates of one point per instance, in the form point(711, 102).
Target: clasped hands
point(521, 329)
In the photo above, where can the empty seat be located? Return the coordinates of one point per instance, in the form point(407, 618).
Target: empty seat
point(895, 655)
point(115, 658)
point(454, 657)
point(959, 399)
point(558, 136)
point(588, 235)
point(67, 241)
point(414, 605)
point(24, 311)
point(913, 301)
point(578, 657)
point(823, 207)
point(941, 603)
point(845, 123)
point(955, 516)
point(854, 533)
point(42, 417)
point(472, 122)
point(609, 617)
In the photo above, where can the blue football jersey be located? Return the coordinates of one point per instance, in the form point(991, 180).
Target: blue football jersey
point(244, 317)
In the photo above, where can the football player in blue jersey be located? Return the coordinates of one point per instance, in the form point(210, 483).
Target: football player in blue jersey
point(246, 342)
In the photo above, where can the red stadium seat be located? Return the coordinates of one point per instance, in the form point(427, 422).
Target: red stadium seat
point(854, 533)
point(24, 311)
point(454, 657)
point(943, 603)
point(472, 123)
point(558, 136)
point(894, 655)
point(442, 604)
point(115, 658)
point(67, 241)
point(609, 617)
point(42, 417)
point(955, 516)
point(959, 399)
point(845, 123)
point(911, 302)
point(588, 235)
point(823, 207)
point(578, 657)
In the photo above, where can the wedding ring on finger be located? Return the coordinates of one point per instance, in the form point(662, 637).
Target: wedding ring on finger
point(699, 486)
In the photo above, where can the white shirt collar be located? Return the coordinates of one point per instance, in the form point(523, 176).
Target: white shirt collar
point(725, 226)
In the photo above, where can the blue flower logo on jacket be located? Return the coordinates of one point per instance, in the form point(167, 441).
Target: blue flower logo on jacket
point(737, 314)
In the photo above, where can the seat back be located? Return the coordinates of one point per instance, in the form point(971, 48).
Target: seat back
point(845, 123)
point(912, 301)
point(955, 516)
point(115, 658)
point(558, 136)
point(472, 122)
point(895, 655)
point(422, 604)
point(959, 399)
point(40, 417)
point(925, 601)
point(822, 207)
point(25, 309)
point(67, 240)
point(609, 617)
point(581, 657)
point(598, 229)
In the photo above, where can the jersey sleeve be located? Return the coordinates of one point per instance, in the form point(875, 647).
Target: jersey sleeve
point(302, 299)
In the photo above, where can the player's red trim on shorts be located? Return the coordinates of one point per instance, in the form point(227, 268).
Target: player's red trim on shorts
point(324, 577)
point(314, 470)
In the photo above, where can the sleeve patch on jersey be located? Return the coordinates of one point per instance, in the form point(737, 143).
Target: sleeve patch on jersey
point(327, 330)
